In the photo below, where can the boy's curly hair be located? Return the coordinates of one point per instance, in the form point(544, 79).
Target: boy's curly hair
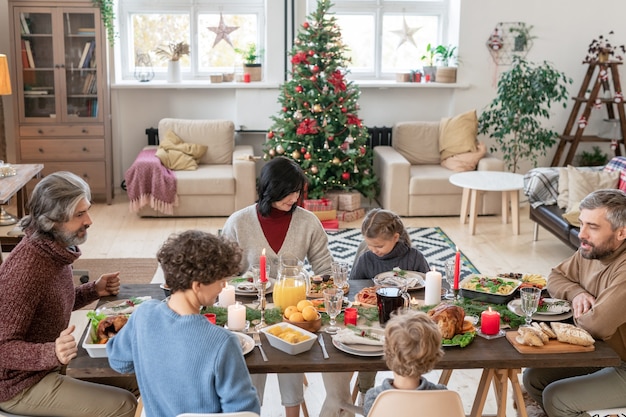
point(197, 256)
point(412, 343)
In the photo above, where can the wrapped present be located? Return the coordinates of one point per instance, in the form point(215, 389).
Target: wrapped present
point(346, 200)
point(330, 224)
point(326, 214)
point(322, 204)
point(350, 216)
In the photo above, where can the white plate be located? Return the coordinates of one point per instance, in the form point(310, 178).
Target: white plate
point(391, 278)
point(247, 344)
point(125, 306)
point(515, 307)
point(362, 350)
point(319, 294)
point(317, 302)
point(244, 287)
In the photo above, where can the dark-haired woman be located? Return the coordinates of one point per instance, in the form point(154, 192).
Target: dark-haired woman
point(277, 224)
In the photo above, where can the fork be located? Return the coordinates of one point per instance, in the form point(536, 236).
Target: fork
point(257, 343)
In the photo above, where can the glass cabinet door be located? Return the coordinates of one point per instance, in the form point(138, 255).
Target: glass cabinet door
point(81, 65)
point(39, 90)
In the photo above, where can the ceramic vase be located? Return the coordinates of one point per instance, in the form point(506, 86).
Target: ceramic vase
point(173, 72)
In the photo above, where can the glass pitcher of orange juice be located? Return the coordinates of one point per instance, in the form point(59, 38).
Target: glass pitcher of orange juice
point(292, 283)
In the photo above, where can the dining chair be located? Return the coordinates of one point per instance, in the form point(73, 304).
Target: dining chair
point(404, 403)
point(237, 414)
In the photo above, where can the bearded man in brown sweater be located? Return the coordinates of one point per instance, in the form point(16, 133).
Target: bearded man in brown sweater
point(37, 296)
point(594, 281)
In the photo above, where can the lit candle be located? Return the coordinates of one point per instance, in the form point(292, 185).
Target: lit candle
point(457, 268)
point(262, 266)
point(227, 296)
point(490, 322)
point(433, 287)
point(236, 316)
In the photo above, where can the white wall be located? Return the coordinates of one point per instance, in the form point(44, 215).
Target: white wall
point(563, 28)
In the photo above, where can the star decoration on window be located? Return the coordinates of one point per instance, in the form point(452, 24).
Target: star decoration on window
point(222, 32)
point(406, 33)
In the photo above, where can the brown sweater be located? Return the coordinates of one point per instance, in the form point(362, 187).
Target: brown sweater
point(604, 279)
point(37, 296)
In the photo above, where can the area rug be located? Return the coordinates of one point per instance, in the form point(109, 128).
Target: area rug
point(532, 408)
point(436, 246)
point(132, 270)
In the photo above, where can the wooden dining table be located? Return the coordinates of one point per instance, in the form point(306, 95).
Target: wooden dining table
point(500, 361)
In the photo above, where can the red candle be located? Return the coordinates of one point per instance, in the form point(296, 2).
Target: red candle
point(490, 322)
point(457, 268)
point(246, 77)
point(350, 316)
point(262, 265)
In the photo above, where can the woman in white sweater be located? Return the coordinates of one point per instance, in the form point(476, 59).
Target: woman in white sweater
point(277, 224)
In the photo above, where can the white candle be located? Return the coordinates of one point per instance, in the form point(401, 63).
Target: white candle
point(236, 316)
point(433, 287)
point(227, 296)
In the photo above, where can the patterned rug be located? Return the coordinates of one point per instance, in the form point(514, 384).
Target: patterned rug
point(436, 246)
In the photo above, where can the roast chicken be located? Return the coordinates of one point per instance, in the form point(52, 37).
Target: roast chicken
point(449, 319)
point(109, 326)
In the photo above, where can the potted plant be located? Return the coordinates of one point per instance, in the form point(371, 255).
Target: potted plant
point(525, 94)
point(430, 70)
point(174, 52)
point(593, 159)
point(602, 50)
point(522, 36)
point(251, 57)
point(445, 72)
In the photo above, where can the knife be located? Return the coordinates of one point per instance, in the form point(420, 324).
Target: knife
point(320, 339)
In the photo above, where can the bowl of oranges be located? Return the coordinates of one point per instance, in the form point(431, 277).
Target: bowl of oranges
point(303, 315)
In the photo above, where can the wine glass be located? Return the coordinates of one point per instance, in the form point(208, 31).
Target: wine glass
point(333, 300)
point(530, 301)
point(340, 273)
point(449, 270)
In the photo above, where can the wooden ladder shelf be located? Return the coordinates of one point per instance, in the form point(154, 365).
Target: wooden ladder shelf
point(601, 73)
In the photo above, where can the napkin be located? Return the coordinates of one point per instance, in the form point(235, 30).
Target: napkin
point(558, 307)
point(349, 337)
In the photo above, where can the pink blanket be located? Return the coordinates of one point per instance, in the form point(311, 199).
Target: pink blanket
point(149, 182)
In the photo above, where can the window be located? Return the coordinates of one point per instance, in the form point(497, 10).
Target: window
point(145, 26)
point(385, 37)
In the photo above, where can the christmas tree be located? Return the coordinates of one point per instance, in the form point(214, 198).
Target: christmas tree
point(318, 126)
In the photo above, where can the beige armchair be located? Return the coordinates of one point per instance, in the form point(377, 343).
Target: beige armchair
point(225, 180)
point(413, 182)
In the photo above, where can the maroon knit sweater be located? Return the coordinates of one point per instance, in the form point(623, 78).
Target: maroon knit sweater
point(37, 296)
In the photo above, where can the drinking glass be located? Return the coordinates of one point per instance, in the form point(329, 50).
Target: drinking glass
point(340, 273)
point(449, 270)
point(333, 300)
point(530, 301)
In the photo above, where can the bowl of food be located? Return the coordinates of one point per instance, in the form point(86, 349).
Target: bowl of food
point(303, 315)
point(309, 325)
point(490, 289)
point(289, 338)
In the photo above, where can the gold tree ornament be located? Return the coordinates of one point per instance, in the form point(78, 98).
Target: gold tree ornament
point(174, 52)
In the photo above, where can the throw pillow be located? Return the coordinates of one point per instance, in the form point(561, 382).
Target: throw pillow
point(572, 216)
point(581, 183)
point(618, 163)
point(458, 134)
point(417, 142)
point(177, 155)
point(465, 161)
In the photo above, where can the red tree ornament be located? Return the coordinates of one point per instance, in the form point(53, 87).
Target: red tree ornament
point(345, 176)
point(270, 134)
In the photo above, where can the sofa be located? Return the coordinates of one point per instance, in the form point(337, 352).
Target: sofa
point(225, 178)
point(413, 181)
point(553, 204)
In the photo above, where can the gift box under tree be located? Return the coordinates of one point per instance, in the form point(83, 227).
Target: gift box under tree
point(350, 216)
point(345, 200)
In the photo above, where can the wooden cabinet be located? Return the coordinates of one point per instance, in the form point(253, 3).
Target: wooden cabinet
point(62, 91)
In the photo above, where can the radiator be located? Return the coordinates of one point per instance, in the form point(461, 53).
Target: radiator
point(379, 136)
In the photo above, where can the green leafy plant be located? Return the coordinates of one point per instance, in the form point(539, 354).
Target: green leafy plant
point(522, 36)
point(250, 54)
point(525, 94)
point(445, 54)
point(174, 52)
point(107, 15)
point(593, 159)
point(429, 56)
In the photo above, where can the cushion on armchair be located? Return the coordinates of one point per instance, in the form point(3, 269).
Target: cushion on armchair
point(175, 154)
point(218, 135)
point(414, 141)
point(458, 134)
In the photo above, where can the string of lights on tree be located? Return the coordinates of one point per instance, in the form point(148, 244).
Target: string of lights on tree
point(318, 125)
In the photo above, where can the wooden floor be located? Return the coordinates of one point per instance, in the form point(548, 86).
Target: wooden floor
point(117, 233)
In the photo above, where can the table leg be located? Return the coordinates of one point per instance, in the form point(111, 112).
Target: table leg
point(505, 207)
point(501, 384)
point(473, 210)
point(481, 393)
point(464, 205)
point(444, 378)
point(517, 392)
point(515, 210)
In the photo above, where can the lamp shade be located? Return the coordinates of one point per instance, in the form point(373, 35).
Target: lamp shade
point(5, 80)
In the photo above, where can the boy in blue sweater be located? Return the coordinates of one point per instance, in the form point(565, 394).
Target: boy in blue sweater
point(183, 363)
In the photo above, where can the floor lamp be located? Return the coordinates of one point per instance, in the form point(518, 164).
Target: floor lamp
point(5, 89)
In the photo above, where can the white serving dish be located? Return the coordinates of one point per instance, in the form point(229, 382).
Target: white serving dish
point(488, 297)
point(290, 348)
point(95, 350)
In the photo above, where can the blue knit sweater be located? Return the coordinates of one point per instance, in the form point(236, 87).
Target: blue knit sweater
point(183, 364)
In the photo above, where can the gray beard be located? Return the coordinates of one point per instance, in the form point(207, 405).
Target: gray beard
point(70, 239)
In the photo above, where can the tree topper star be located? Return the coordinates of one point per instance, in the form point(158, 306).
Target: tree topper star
point(222, 31)
point(406, 33)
